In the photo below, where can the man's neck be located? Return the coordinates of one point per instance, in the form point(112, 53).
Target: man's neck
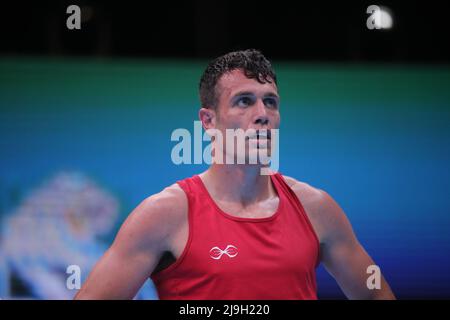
point(238, 183)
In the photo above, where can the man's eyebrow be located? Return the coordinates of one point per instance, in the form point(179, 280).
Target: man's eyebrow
point(271, 94)
point(243, 93)
point(249, 93)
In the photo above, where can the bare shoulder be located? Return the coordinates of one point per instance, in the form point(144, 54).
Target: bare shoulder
point(314, 200)
point(326, 216)
point(306, 193)
point(166, 206)
point(156, 218)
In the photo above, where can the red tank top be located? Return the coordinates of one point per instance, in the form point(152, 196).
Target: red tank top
point(228, 257)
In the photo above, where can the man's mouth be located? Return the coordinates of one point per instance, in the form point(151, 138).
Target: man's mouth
point(260, 135)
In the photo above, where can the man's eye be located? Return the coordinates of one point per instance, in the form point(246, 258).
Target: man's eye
point(271, 103)
point(244, 102)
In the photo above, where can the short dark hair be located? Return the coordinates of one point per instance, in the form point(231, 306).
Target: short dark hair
point(251, 61)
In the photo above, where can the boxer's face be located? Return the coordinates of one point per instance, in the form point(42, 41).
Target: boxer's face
point(245, 103)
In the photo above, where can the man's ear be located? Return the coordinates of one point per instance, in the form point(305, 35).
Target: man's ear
point(208, 118)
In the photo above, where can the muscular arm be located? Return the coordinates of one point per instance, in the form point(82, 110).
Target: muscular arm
point(136, 250)
point(341, 253)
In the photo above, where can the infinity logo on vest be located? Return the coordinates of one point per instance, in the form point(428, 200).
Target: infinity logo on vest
point(217, 253)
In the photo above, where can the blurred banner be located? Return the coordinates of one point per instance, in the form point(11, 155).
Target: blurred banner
point(83, 141)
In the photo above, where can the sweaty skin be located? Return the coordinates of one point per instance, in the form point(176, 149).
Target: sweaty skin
point(159, 224)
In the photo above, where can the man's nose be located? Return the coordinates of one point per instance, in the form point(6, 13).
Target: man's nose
point(261, 116)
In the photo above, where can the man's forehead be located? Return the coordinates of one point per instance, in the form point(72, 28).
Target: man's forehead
point(236, 81)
